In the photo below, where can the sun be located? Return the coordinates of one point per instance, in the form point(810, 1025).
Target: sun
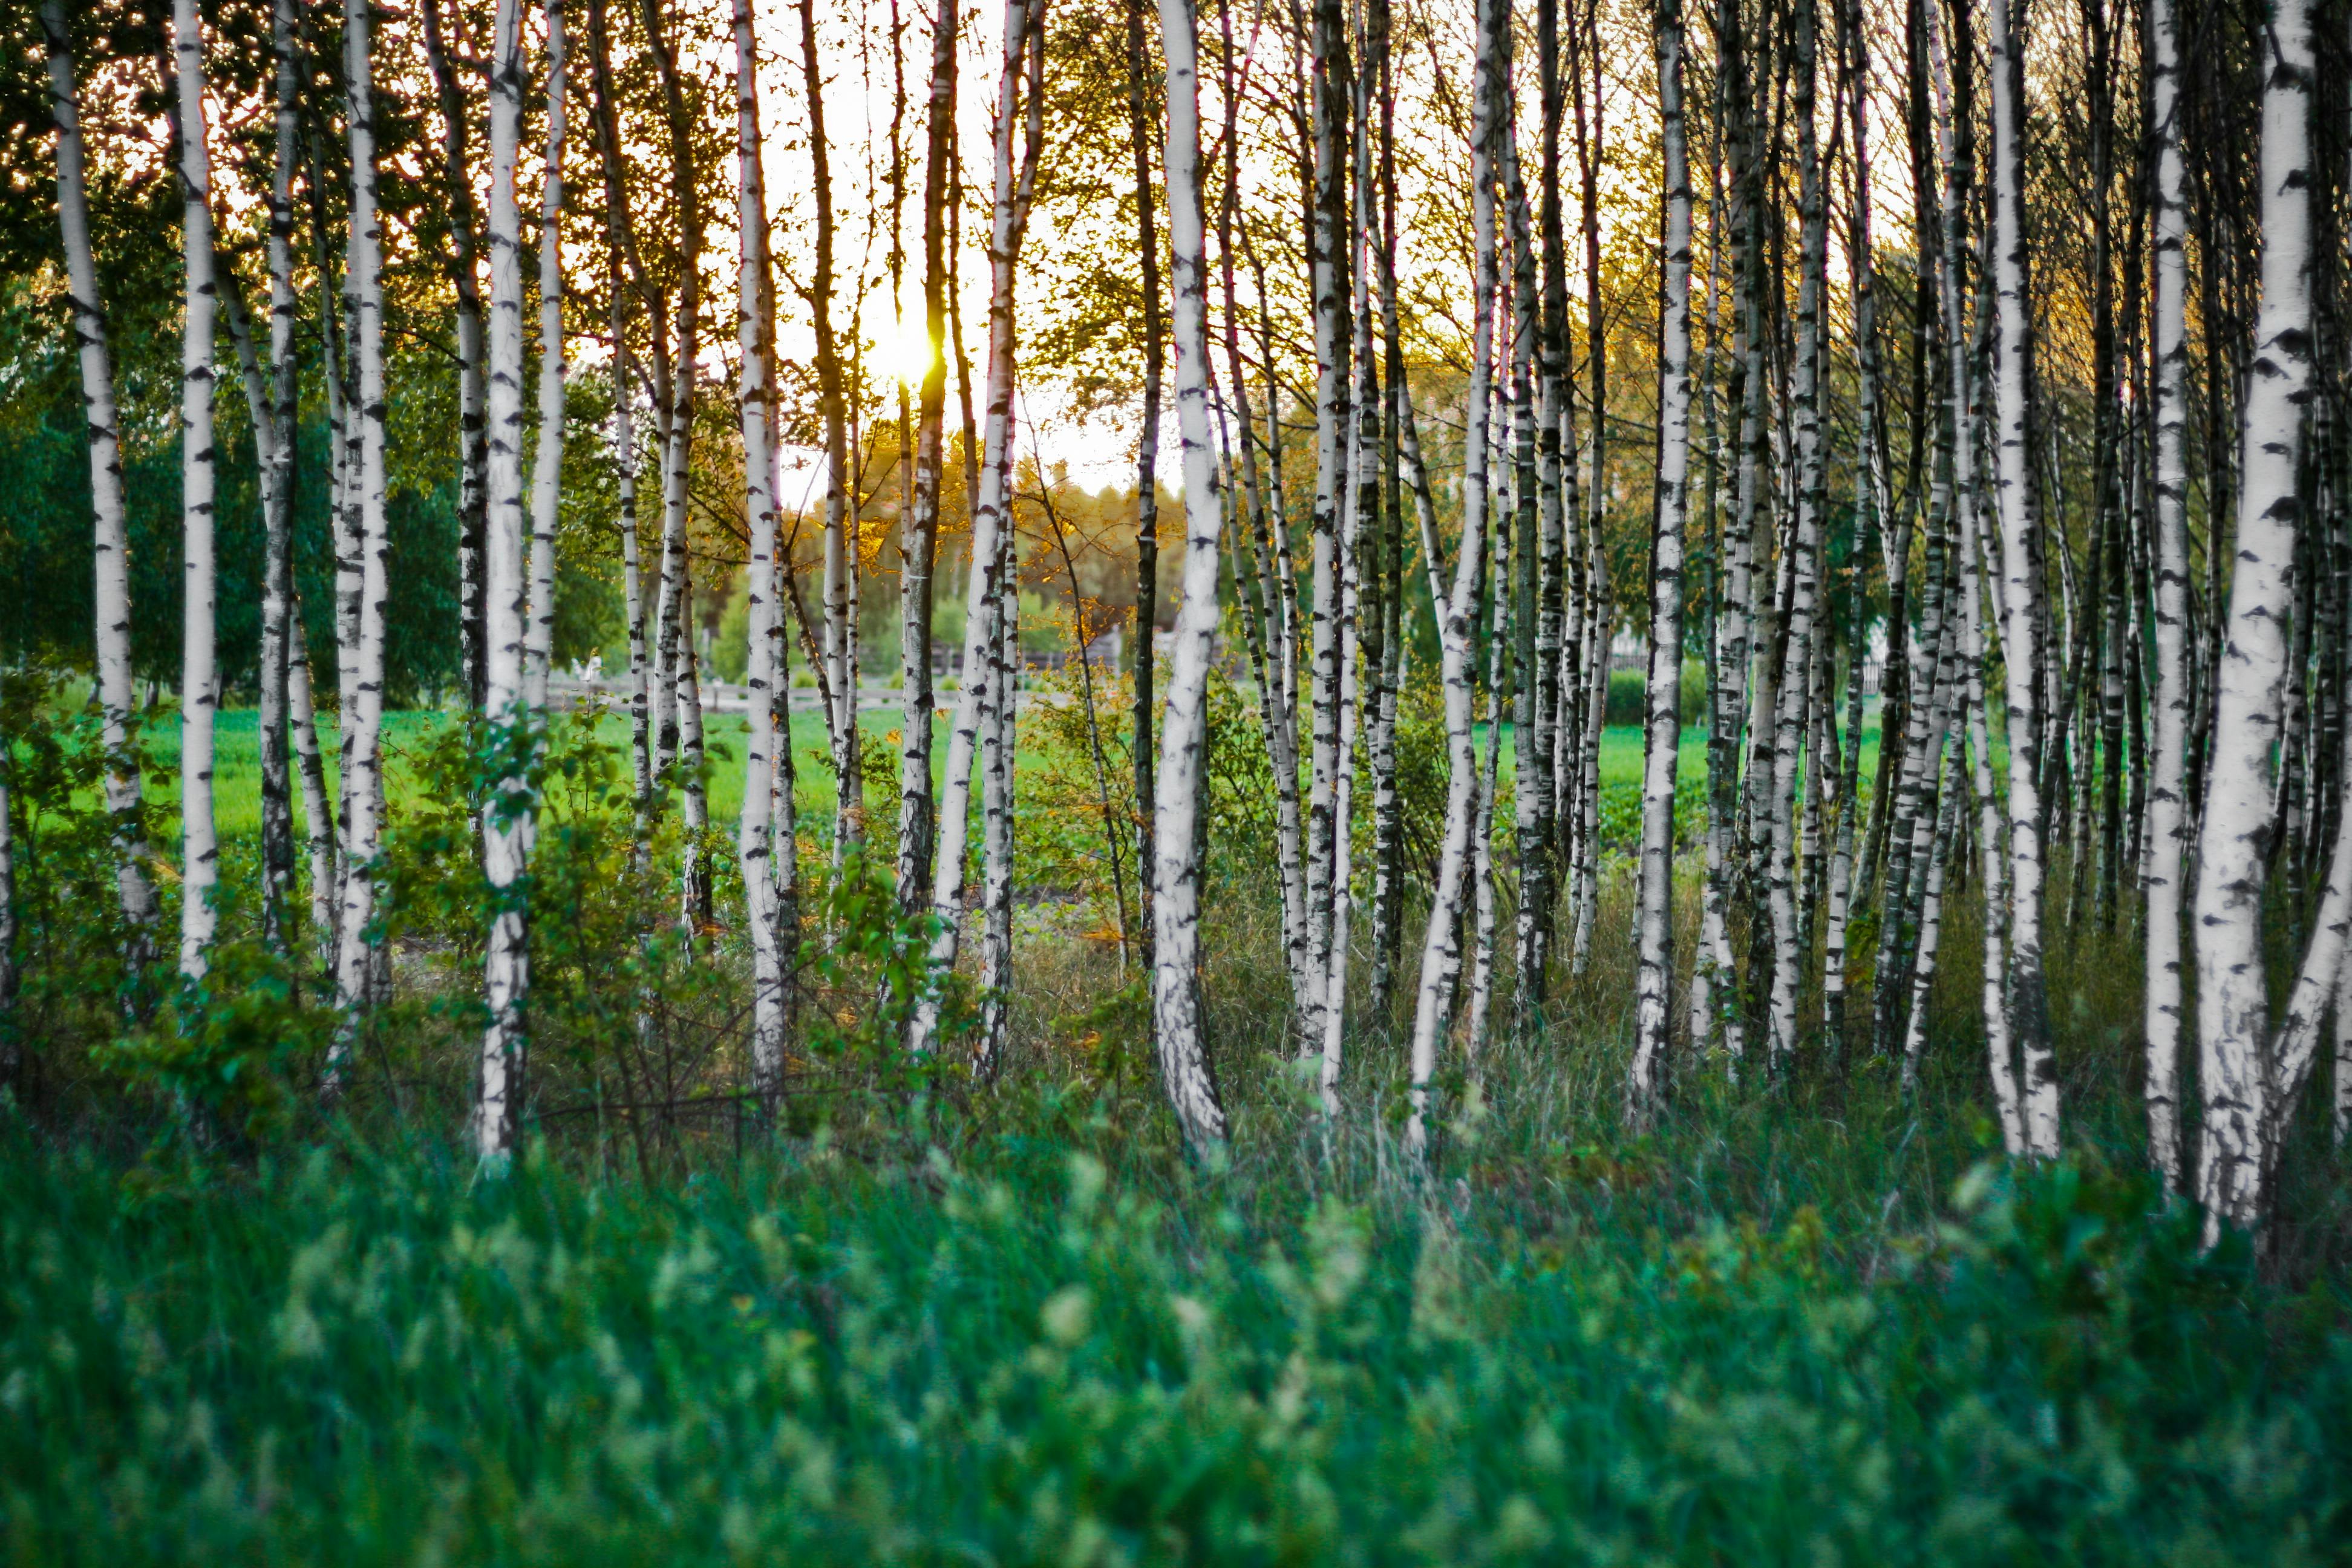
point(910, 351)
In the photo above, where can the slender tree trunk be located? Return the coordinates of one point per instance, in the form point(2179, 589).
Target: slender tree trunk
point(2168, 749)
point(840, 540)
point(310, 766)
point(364, 506)
point(547, 455)
point(675, 618)
point(999, 738)
point(1597, 620)
point(1441, 944)
point(756, 848)
point(116, 699)
point(1147, 444)
point(270, 393)
point(1326, 253)
point(1869, 505)
point(627, 269)
point(508, 823)
point(1653, 984)
point(2238, 1082)
point(1728, 698)
point(985, 667)
point(199, 663)
point(1181, 780)
point(1531, 787)
point(1931, 929)
point(457, 185)
point(920, 529)
point(2027, 1001)
point(1801, 564)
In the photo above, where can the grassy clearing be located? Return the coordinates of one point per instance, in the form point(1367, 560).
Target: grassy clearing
point(927, 1319)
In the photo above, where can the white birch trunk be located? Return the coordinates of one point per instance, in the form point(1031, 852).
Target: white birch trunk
point(365, 505)
point(199, 661)
point(1328, 284)
point(1802, 562)
point(2028, 1002)
point(310, 767)
point(1442, 942)
point(2167, 758)
point(547, 457)
point(633, 575)
point(110, 531)
point(1941, 826)
point(271, 398)
point(991, 520)
point(2238, 1082)
point(997, 742)
point(508, 815)
point(1654, 981)
point(1176, 869)
point(1001, 739)
point(754, 841)
point(1333, 986)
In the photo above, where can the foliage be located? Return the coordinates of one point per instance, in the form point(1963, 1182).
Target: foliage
point(1031, 1343)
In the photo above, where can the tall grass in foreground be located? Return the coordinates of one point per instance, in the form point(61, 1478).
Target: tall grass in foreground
point(1804, 1326)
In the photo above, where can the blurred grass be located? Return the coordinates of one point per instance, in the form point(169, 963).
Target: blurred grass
point(1777, 1330)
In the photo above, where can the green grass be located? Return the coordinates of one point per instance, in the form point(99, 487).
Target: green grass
point(236, 775)
point(1773, 1333)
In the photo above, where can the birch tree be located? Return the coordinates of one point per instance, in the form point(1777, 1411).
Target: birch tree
point(991, 517)
point(457, 179)
point(918, 529)
point(508, 813)
point(2012, 444)
point(134, 892)
point(1654, 983)
point(546, 456)
point(199, 659)
point(756, 845)
point(1176, 869)
point(363, 771)
point(2237, 1065)
point(2168, 747)
point(1442, 942)
point(840, 542)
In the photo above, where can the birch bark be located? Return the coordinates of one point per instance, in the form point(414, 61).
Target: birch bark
point(362, 775)
point(754, 841)
point(458, 182)
point(547, 455)
point(271, 398)
point(841, 544)
point(1442, 943)
point(1654, 983)
point(1176, 870)
point(110, 529)
point(2169, 748)
point(2028, 1004)
point(991, 519)
point(920, 529)
point(507, 820)
point(199, 663)
point(2234, 1071)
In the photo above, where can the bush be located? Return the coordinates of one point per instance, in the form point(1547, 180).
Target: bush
point(1629, 689)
